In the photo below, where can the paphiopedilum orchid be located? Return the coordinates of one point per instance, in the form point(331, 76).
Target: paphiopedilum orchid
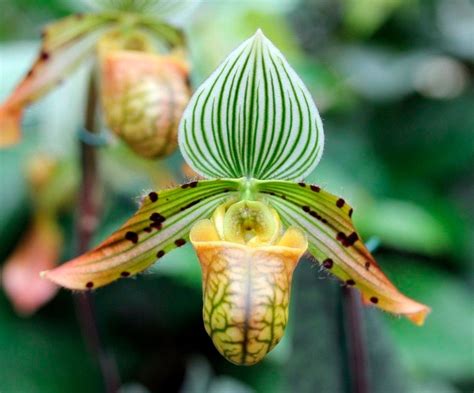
point(143, 75)
point(253, 131)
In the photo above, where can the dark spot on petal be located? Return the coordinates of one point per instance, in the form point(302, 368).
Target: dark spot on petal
point(184, 186)
point(302, 184)
point(157, 217)
point(350, 212)
point(367, 265)
point(340, 202)
point(315, 188)
point(125, 274)
point(44, 55)
point(156, 225)
point(160, 253)
point(193, 184)
point(374, 300)
point(90, 285)
point(30, 72)
point(147, 229)
point(347, 241)
point(328, 263)
point(351, 239)
point(306, 209)
point(350, 282)
point(180, 242)
point(153, 196)
point(132, 236)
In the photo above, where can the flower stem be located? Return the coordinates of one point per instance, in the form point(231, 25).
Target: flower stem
point(355, 334)
point(355, 340)
point(88, 218)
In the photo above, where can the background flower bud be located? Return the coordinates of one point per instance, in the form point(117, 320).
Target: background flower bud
point(143, 97)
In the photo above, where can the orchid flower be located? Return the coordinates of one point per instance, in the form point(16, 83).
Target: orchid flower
point(253, 132)
point(144, 78)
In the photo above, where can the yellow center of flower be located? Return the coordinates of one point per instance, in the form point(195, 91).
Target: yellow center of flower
point(247, 222)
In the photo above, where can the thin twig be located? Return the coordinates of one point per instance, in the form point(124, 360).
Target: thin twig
point(88, 218)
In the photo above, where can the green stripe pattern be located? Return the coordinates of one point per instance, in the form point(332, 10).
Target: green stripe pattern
point(253, 118)
point(326, 220)
point(334, 242)
point(161, 224)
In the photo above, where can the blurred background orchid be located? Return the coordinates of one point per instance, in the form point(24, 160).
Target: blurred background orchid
point(142, 71)
point(52, 185)
point(393, 81)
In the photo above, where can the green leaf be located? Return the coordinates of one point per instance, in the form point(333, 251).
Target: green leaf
point(161, 224)
point(25, 371)
point(407, 226)
point(252, 118)
point(441, 350)
point(334, 242)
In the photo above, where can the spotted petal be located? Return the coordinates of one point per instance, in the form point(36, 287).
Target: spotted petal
point(66, 44)
point(334, 242)
point(161, 224)
point(252, 118)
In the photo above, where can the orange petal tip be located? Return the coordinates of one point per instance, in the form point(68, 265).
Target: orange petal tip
point(10, 126)
point(418, 318)
point(400, 305)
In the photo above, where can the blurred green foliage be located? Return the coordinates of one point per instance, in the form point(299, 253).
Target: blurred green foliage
point(393, 80)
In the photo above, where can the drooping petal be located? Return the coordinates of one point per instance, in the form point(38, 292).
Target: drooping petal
point(69, 29)
point(253, 117)
point(334, 242)
point(159, 9)
point(66, 44)
point(38, 250)
point(144, 96)
point(161, 224)
point(246, 291)
point(171, 35)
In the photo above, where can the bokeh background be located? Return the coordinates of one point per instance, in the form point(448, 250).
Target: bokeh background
point(393, 80)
